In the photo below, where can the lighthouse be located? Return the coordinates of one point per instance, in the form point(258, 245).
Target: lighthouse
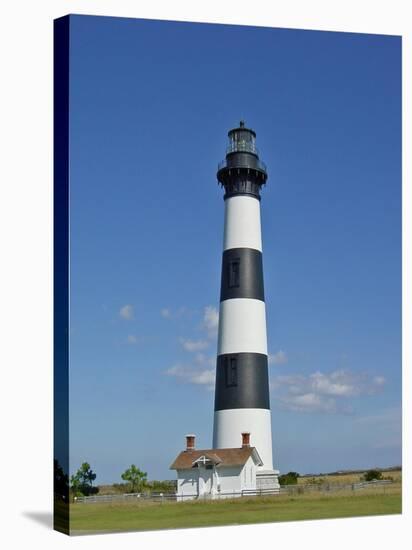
point(240, 461)
point(242, 402)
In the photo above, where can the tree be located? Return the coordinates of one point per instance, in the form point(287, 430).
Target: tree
point(82, 481)
point(136, 477)
point(291, 478)
point(370, 475)
point(86, 474)
point(75, 487)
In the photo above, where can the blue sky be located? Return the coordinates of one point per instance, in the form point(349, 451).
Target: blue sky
point(150, 106)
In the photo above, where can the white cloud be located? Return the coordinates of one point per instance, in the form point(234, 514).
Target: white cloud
point(308, 402)
point(166, 313)
point(132, 339)
point(179, 313)
point(202, 371)
point(338, 383)
point(290, 380)
point(194, 345)
point(126, 312)
point(205, 377)
point(211, 320)
point(177, 370)
point(201, 377)
point(202, 359)
point(324, 392)
point(209, 324)
point(278, 358)
point(379, 380)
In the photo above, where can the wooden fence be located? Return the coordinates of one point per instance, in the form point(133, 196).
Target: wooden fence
point(284, 490)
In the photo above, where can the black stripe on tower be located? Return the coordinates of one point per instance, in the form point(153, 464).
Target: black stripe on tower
point(242, 274)
point(242, 381)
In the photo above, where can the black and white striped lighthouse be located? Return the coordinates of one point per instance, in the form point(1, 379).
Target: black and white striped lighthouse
point(242, 384)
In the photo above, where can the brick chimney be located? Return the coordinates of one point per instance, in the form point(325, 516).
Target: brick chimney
point(245, 439)
point(190, 442)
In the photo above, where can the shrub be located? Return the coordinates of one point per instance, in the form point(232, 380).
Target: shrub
point(370, 475)
point(291, 478)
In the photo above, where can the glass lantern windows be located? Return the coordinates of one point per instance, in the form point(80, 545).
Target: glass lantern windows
point(242, 141)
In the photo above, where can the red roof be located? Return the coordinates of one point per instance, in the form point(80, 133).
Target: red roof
point(218, 457)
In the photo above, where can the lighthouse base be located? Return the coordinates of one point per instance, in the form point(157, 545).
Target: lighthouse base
point(267, 481)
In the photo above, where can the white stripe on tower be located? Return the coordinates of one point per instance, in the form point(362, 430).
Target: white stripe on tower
point(242, 223)
point(242, 386)
point(242, 326)
point(229, 423)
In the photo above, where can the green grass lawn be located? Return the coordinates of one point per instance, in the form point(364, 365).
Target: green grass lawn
point(103, 517)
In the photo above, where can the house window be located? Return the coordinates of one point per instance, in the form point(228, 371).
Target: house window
point(234, 268)
point(231, 371)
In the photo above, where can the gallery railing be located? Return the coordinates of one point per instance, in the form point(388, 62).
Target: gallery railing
point(259, 165)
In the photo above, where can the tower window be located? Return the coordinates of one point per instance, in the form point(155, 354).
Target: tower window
point(234, 269)
point(231, 371)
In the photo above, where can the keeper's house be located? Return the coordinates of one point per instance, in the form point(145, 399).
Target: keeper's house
point(216, 473)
